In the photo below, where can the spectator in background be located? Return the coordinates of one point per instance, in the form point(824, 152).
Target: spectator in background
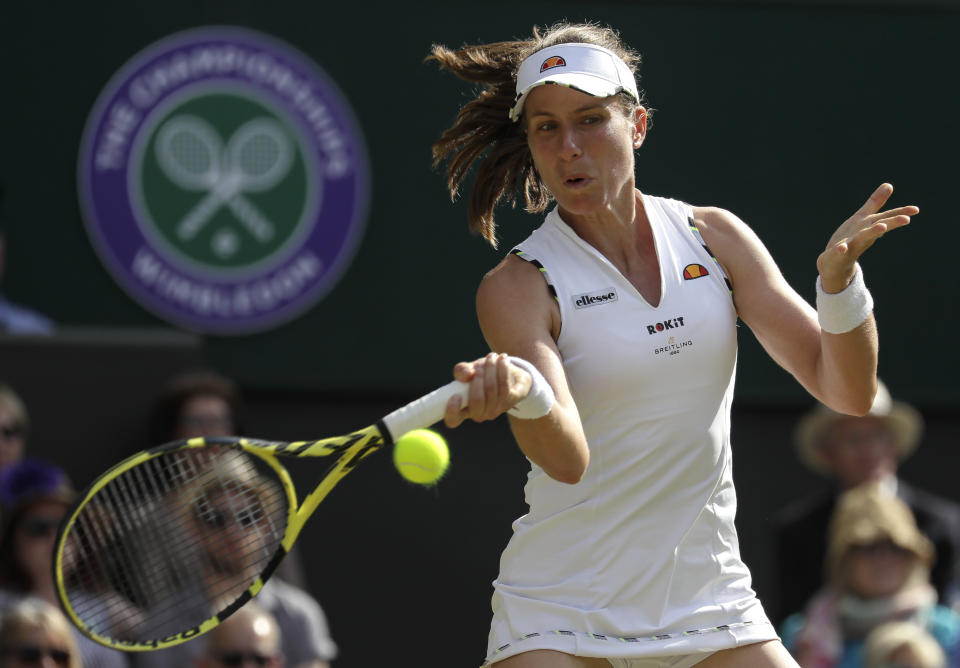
point(902, 645)
point(206, 403)
point(15, 319)
point(852, 451)
point(14, 426)
point(878, 571)
point(35, 497)
point(249, 638)
point(305, 636)
point(35, 633)
point(197, 403)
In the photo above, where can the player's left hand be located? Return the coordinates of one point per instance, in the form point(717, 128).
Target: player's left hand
point(856, 235)
point(496, 386)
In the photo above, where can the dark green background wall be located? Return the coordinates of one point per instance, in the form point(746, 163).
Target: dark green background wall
point(787, 114)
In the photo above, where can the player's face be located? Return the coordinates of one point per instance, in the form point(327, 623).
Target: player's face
point(582, 147)
point(860, 450)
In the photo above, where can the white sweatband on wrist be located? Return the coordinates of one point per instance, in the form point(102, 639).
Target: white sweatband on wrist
point(539, 400)
point(846, 310)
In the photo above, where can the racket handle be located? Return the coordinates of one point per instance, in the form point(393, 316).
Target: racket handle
point(423, 412)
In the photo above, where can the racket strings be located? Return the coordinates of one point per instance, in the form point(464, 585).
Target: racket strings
point(171, 541)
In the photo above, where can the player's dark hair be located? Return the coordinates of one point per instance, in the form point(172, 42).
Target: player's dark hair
point(483, 133)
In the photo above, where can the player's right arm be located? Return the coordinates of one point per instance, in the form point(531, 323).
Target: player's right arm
point(518, 316)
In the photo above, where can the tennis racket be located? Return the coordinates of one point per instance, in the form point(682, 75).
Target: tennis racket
point(171, 541)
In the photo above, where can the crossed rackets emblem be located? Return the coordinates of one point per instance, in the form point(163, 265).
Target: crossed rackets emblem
point(255, 159)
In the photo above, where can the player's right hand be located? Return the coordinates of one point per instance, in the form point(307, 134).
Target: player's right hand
point(496, 386)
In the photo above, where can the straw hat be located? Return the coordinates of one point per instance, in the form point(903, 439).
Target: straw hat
point(866, 515)
point(903, 420)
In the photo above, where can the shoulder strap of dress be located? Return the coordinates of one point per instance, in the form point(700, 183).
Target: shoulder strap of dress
point(699, 237)
point(543, 271)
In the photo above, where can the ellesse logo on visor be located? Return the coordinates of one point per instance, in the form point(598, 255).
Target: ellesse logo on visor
point(551, 62)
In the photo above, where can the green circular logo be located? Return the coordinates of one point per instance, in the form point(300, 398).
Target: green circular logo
point(223, 180)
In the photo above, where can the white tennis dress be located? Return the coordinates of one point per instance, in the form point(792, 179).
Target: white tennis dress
point(640, 558)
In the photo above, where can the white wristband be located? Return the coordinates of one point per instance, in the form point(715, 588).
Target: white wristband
point(846, 310)
point(539, 400)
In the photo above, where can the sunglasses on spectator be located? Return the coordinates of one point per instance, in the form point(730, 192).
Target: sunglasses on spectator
point(33, 654)
point(215, 517)
point(242, 658)
point(40, 527)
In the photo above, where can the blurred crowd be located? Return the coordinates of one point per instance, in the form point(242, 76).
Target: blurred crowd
point(284, 626)
point(867, 563)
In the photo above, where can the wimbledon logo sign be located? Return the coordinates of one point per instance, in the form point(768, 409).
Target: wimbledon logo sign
point(223, 180)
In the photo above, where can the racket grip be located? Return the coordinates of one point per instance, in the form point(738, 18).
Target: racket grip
point(423, 412)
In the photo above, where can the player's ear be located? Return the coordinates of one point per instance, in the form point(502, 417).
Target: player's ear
point(639, 126)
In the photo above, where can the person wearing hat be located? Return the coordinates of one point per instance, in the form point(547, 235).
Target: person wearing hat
point(35, 497)
point(852, 451)
point(877, 569)
point(613, 334)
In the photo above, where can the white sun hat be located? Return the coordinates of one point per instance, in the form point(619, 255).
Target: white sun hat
point(587, 68)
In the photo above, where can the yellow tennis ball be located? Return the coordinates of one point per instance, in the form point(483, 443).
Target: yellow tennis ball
point(421, 456)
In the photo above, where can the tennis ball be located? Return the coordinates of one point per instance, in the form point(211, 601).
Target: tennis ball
point(421, 456)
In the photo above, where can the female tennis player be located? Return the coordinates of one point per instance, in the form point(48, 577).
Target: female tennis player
point(622, 309)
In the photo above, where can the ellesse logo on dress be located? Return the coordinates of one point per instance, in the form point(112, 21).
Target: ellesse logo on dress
point(596, 298)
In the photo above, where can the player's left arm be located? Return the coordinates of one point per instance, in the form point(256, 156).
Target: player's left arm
point(838, 369)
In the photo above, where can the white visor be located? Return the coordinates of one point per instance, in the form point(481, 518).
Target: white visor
point(587, 68)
